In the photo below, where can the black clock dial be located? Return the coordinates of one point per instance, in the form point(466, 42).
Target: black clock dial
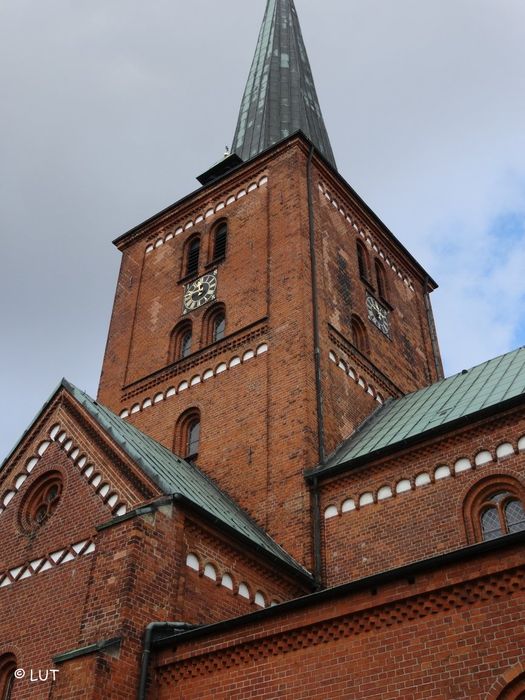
point(378, 315)
point(200, 292)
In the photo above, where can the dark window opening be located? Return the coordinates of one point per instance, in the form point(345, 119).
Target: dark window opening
point(220, 240)
point(381, 281)
point(362, 261)
point(192, 267)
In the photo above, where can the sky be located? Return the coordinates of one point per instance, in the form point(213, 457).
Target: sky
point(111, 108)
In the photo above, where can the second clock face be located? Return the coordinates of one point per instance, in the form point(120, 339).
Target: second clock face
point(378, 315)
point(200, 292)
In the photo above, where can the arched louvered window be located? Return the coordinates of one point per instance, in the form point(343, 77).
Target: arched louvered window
point(192, 256)
point(362, 261)
point(359, 335)
point(382, 288)
point(220, 241)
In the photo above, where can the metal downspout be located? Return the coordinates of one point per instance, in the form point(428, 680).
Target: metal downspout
point(316, 521)
point(146, 649)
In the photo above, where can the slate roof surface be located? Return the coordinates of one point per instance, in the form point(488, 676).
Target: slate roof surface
point(449, 400)
point(176, 476)
point(280, 96)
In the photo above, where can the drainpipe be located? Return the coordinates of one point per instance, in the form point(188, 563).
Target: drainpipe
point(316, 531)
point(146, 650)
point(314, 490)
point(317, 349)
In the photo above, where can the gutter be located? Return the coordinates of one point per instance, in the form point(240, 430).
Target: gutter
point(293, 569)
point(407, 573)
point(176, 627)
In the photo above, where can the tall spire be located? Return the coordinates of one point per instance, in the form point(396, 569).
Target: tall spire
point(280, 95)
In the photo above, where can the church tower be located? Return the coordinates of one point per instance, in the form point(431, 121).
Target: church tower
point(260, 320)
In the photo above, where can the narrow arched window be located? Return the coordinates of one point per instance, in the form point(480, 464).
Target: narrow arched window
point(185, 344)
point(359, 335)
point(214, 327)
point(192, 260)
point(188, 434)
point(181, 344)
point(382, 289)
point(8, 667)
point(220, 240)
point(362, 261)
point(219, 327)
point(193, 438)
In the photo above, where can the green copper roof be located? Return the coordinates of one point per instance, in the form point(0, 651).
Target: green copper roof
point(176, 476)
point(280, 96)
point(452, 399)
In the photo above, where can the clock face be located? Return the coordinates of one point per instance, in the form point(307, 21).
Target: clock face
point(200, 292)
point(378, 315)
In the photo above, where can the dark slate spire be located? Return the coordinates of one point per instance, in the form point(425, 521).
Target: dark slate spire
point(280, 95)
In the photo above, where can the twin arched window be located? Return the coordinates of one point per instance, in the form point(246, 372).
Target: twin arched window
point(8, 667)
point(501, 514)
point(193, 249)
point(495, 507)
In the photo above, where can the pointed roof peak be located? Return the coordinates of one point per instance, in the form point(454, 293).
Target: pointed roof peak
point(280, 96)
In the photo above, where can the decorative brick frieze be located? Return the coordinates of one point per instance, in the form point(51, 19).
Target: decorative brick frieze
point(485, 589)
point(231, 344)
point(359, 230)
point(227, 581)
point(196, 379)
point(189, 224)
point(46, 562)
point(406, 483)
point(352, 373)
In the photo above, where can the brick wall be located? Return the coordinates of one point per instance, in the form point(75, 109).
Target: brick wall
point(433, 637)
point(425, 520)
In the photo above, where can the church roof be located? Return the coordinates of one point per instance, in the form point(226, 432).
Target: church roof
point(280, 96)
point(177, 477)
point(460, 398)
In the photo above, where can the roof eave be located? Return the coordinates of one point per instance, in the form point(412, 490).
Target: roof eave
point(401, 445)
point(371, 582)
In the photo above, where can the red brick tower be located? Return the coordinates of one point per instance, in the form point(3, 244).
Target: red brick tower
point(259, 320)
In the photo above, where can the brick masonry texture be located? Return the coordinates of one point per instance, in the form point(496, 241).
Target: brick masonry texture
point(453, 632)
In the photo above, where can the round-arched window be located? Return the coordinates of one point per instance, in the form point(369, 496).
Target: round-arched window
point(41, 501)
point(8, 666)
